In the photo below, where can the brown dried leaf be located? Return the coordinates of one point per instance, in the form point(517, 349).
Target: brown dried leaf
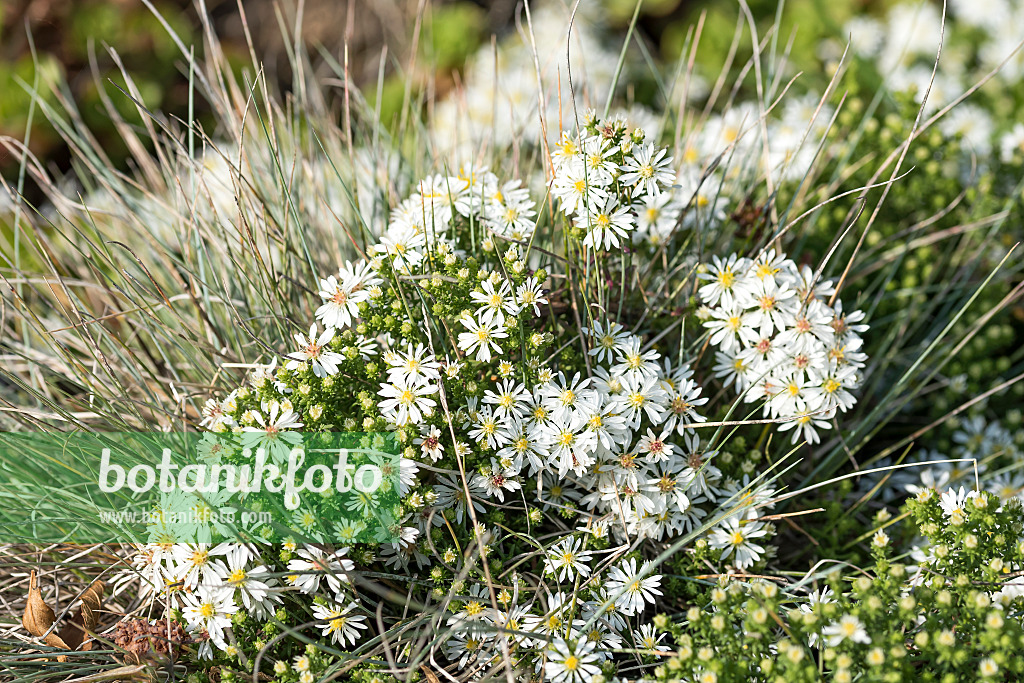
point(54, 640)
point(74, 632)
point(38, 617)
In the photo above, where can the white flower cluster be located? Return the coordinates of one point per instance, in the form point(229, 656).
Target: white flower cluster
point(905, 42)
point(612, 437)
point(211, 583)
point(957, 504)
point(780, 343)
point(574, 636)
point(785, 147)
point(903, 45)
point(208, 583)
point(427, 215)
point(609, 200)
point(604, 441)
point(217, 190)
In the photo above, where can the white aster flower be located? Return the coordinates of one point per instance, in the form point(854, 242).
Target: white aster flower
point(605, 224)
point(339, 622)
point(647, 170)
point(405, 402)
point(481, 337)
point(733, 535)
point(848, 627)
point(314, 565)
point(631, 591)
point(567, 663)
point(315, 352)
point(567, 558)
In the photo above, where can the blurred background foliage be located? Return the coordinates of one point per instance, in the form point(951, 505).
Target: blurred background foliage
point(62, 47)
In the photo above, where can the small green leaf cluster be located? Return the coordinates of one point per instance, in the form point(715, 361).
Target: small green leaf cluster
point(955, 616)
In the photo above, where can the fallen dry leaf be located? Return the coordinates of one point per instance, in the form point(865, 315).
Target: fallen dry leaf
point(74, 632)
point(39, 617)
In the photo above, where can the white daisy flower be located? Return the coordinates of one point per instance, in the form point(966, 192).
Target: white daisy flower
point(607, 340)
point(314, 565)
point(733, 535)
point(430, 443)
point(343, 294)
point(271, 433)
point(647, 170)
point(567, 663)
point(605, 224)
point(729, 285)
point(339, 622)
point(415, 365)
point(481, 337)
point(496, 480)
point(567, 558)
point(209, 610)
point(575, 191)
point(848, 627)
point(252, 583)
point(315, 352)
point(530, 295)
point(406, 402)
point(655, 448)
point(631, 592)
point(495, 304)
point(954, 502)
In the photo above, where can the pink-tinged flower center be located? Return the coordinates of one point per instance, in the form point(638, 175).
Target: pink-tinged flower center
point(680, 405)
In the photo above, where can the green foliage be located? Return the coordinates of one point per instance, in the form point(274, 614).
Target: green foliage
point(944, 620)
